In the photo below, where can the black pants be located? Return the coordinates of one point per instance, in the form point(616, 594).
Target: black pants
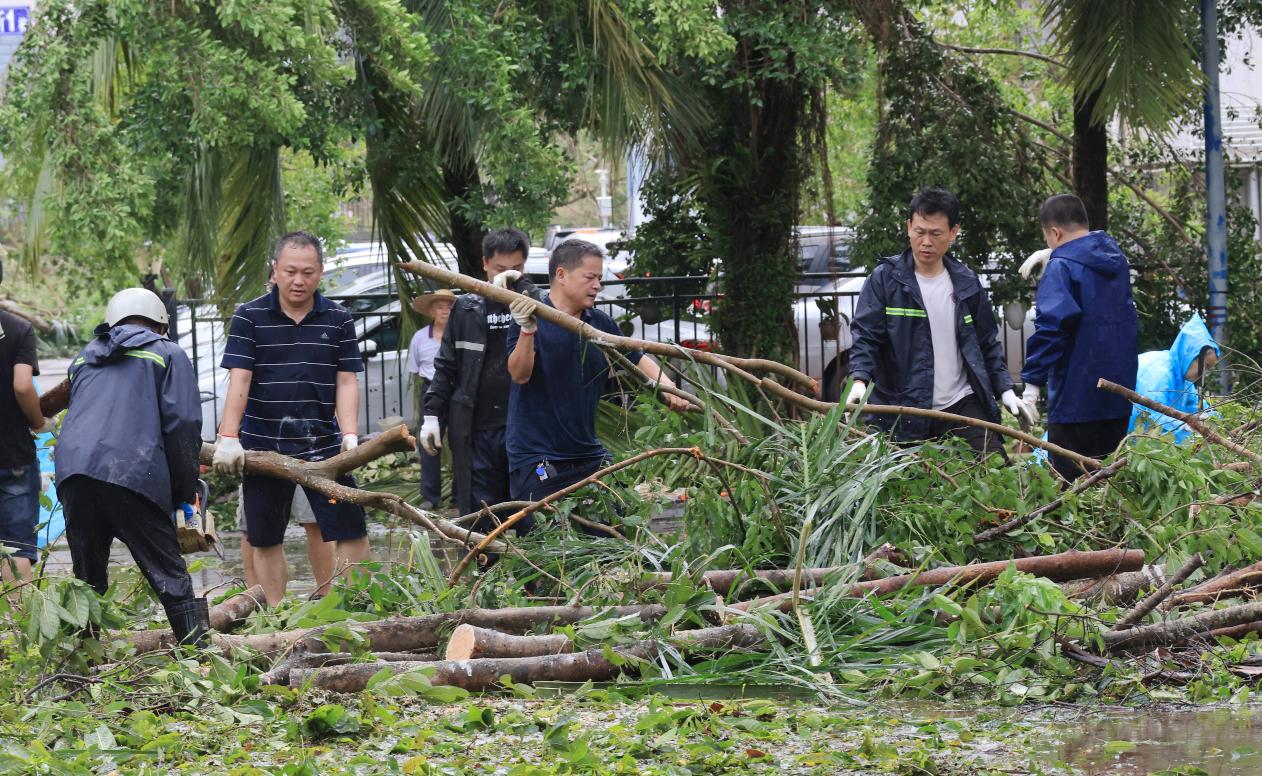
point(1096, 439)
point(99, 512)
point(982, 440)
point(488, 474)
point(528, 487)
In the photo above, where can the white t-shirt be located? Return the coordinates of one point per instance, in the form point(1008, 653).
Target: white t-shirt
point(421, 353)
point(950, 381)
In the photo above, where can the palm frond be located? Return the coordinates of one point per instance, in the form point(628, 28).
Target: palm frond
point(1137, 54)
point(251, 216)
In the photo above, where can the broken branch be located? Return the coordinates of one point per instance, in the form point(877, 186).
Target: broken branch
point(1145, 606)
point(1091, 480)
point(1188, 418)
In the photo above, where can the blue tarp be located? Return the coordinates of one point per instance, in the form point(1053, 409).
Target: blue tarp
point(52, 523)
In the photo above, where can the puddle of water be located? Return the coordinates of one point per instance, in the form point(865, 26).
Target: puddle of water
point(1220, 740)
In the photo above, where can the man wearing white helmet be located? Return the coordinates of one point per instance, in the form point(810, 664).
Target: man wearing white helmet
point(127, 454)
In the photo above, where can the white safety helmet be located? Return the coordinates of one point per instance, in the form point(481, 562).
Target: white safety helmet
point(135, 303)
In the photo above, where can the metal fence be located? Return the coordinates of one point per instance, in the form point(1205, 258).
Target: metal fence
point(668, 309)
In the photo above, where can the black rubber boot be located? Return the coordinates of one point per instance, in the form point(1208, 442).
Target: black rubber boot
point(190, 622)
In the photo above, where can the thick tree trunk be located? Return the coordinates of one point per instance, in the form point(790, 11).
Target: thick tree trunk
point(1183, 630)
point(1058, 568)
point(469, 642)
point(466, 236)
point(231, 612)
point(485, 673)
point(1228, 585)
point(406, 634)
point(1091, 161)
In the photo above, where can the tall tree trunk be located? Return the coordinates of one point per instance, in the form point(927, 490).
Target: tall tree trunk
point(752, 200)
point(466, 236)
point(1091, 161)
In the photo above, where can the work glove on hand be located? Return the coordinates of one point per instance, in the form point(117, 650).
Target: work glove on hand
point(229, 456)
point(1035, 264)
point(507, 279)
point(1030, 398)
point(431, 435)
point(1024, 414)
point(45, 428)
point(46, 479)
point(523, 311)
point(856, 392)
point(349, 442)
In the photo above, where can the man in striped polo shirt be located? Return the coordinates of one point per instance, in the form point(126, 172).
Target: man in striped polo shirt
point(293, 389)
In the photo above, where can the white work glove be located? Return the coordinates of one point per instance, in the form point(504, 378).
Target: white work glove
point(229, 456)
point(1024, 414)
point(856, 392)
point(349, 442)
point(45, 480)
point(1035, 264)
point(523, 311)
point(431, 435)
point(507, 279)
point(46, 428)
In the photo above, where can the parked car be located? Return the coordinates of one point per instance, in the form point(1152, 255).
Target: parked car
point(616, 264)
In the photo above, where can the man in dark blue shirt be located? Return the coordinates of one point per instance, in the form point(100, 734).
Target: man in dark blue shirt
point(557, 380)
point(293, 389)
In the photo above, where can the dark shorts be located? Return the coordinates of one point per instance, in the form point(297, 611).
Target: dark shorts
point(267, 502)
point(526, 485)
point(19, 509)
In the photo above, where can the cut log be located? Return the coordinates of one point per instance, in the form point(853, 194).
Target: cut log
point(279, 674)
point(405, 634)
point(469, 642)
point(485, 673)
point(1145, 606)
point(1116, 589)
point(231, 612)
point(1229, 585)
point(1183, 630)
point(55, 399)
point(1058, 568)
point(320, 476)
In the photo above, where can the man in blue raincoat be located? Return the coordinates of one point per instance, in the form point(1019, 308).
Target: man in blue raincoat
point(1173, 377)
point(1086, 328)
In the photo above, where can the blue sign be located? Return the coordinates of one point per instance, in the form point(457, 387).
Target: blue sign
point(13, 20)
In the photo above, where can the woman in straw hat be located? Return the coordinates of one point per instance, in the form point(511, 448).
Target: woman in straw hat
point(437, 307)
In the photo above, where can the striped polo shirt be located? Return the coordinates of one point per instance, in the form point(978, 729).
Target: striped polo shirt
point(293, 390)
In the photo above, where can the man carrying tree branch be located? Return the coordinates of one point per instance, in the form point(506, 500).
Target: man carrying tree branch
point(558, 378)
point(925, 335)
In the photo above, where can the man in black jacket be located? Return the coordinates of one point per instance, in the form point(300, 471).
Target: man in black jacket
point(127, 454)
point(925, 335)
point(469, 392)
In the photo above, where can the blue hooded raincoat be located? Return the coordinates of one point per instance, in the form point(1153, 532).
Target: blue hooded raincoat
point(1086, 328)
point(1162, 378)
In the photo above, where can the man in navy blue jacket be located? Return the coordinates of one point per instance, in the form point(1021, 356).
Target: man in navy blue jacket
point(925, 334)
point(1086, 328)
point(127, 454)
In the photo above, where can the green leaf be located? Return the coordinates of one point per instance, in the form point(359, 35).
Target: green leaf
point(1118, 747)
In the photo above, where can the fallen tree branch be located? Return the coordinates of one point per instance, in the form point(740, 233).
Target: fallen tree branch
point(1223, 586)
point(886, 409)
point(469, 642)
point(279, 674)
point(321, 477)
point(1095, 478)
point(55, 399)
point(657, 385)
point(739, 366)
point(1183, 630)
point(1116, 589)
point(486, 673)
point(1149, 603)
point(723, 581)
point(405, 634)
point(518, 516)
point(1061, 567)
point(1190, 419)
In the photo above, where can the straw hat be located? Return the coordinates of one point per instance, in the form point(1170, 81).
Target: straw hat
point(423, 303)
